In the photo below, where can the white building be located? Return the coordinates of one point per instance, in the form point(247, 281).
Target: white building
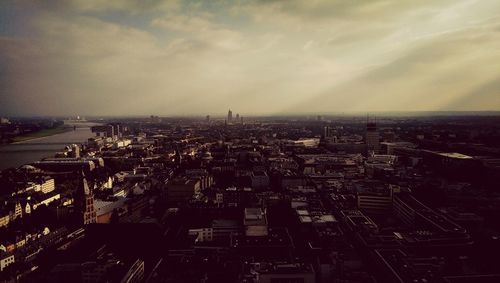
point(48, 185)
point(6, 260)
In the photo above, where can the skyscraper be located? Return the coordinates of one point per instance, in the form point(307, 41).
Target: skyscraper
point(372, 137)
point(229, 116)
point(327, 132)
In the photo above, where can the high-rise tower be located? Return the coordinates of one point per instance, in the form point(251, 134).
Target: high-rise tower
point(229, 116)
point(372, 137)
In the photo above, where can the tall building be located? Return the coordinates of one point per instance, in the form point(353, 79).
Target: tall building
point(229, 116)
point(372, 137)
point(329, 133)
point(117, 130)
point(75, 151)
point(85, 202)
point(237, 117)
point(207, 118)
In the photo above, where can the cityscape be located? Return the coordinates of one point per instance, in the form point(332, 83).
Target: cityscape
point(249, 141)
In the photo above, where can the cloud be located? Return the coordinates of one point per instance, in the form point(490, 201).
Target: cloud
point(201, 28)
point(130, 6)
point(257, 57)
point(435, 74)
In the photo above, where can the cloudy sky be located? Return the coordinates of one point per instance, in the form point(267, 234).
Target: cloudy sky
point(96, 57)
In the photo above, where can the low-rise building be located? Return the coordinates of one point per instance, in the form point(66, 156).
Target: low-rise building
point(6, 259)
point(255, 221)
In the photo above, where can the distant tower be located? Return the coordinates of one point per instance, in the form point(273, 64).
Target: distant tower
point(328, 132)
point(85, 202)
point(229, 116)
point(372, 137)
point(208, 118)
point(117, 130)
point(237, 117)
point(76, 149)
point(178, 155)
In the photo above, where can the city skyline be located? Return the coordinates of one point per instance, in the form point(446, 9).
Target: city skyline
point(261, 57)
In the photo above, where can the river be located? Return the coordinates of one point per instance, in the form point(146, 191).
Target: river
point(17, 154)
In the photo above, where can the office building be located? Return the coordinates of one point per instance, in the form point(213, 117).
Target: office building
point(372, 137)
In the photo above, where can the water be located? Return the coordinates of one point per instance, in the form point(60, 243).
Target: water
point(15, 155)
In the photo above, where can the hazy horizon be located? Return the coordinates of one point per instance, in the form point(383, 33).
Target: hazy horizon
point(258, 58)
point(246, 116)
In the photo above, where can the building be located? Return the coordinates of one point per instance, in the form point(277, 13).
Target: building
point(397, 266)
point(4, 219)
point(107, 131)
point(85, 203)
point(269, 272)
point(224, 228)
point(44, 199)
point(277, 244)
point(255, 222)
point(374, 200)
point(260, 180)
point(235, 196)
point(206, 179)
point(117, 130)
point(202, 234)
point(63, 164)
point(229, 116)
point(329, 134)
point(6, 259)
point(372, 137)
point(105, 209)
point(358, 222)
point(18, 211)
point(47, 185)
point(182, 189)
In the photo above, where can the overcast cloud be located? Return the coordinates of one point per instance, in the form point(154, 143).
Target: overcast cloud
point(101, 57)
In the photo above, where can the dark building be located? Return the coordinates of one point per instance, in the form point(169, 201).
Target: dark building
point(84, 203)
point(372, 137)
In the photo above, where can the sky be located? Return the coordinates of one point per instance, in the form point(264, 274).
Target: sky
point(173, 57)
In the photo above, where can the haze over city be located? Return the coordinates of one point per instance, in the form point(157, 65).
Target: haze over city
point(96, 57)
